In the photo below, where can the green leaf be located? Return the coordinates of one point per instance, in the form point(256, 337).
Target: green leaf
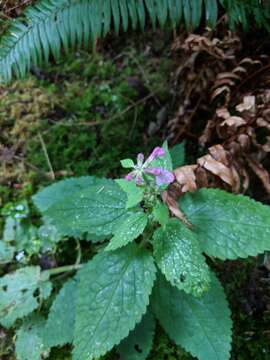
point(211, 12)
point(127, 163)
point(6, 252)
point(228, 226)
point(161, 213)
point(97, 209)
point(178, 155)
point(201, 326)
point(196, 7)
point(29, 342)
point(178, 256)
point(17, 298)
point(138, 344)
point(129, 230)
point(134, 192)
point(165, 161)
point(112, 295)
point(9, 233)
point(57, 192)
point(59, 327)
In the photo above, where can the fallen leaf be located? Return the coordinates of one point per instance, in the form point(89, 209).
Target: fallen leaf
point(185, 176)
point(248, 104)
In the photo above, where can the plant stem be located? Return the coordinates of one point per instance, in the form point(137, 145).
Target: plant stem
point(62, 269)
point(79, 252)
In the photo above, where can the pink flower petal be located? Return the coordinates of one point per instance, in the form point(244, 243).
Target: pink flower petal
point(129, 176)
point(156, 153)
point(153, 171)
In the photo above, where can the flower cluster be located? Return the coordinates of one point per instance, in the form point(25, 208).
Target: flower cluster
point(162, 176)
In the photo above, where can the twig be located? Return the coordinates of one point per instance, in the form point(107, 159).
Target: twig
point(18, 6)
point(130, 107)
point(46, 156)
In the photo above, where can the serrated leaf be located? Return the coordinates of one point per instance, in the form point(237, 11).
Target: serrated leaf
point(96, 209)
point(161, 213)
point(129, 230)
point(164, 162)
point(113, 291)
point(57, 192)
point(228, 226)
point(201, 326)
point(127, 163)
point(59, 327)
point(178, 155)
point(138, 344)
point(29, 342)
point(17, 297)
point(134, 193)
point(6, 252)
point(178, 256)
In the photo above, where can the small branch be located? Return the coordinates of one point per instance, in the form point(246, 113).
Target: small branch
point(46, 156)
point(63, 269)
point(130, 107)
point(26, 2)
point(79, 252)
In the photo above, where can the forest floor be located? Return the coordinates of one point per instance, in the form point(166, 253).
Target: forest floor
point(83, 115)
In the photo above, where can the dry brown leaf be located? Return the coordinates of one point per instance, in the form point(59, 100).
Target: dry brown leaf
point(228, 75)
point(221, 90)
point(234, 121)
point(185, 176)
point(223, 113)
point(219, 153)
point(248, 104)
point(239, 69)
point(216, 168)
point(174, 207)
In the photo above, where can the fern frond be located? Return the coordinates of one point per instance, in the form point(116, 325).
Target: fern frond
point(243, 11)
point(51, 25)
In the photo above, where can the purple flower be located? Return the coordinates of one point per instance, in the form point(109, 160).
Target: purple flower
point(129, 176)
point(156, 153)
point(138, 180)
point(163, 177)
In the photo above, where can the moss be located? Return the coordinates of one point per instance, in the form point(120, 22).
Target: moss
point(98, 121)
point(248, 293)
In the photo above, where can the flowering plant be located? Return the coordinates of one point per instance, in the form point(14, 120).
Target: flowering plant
point(148, 264)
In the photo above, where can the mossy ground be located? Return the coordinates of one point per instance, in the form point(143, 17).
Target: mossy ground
point(81, 117)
